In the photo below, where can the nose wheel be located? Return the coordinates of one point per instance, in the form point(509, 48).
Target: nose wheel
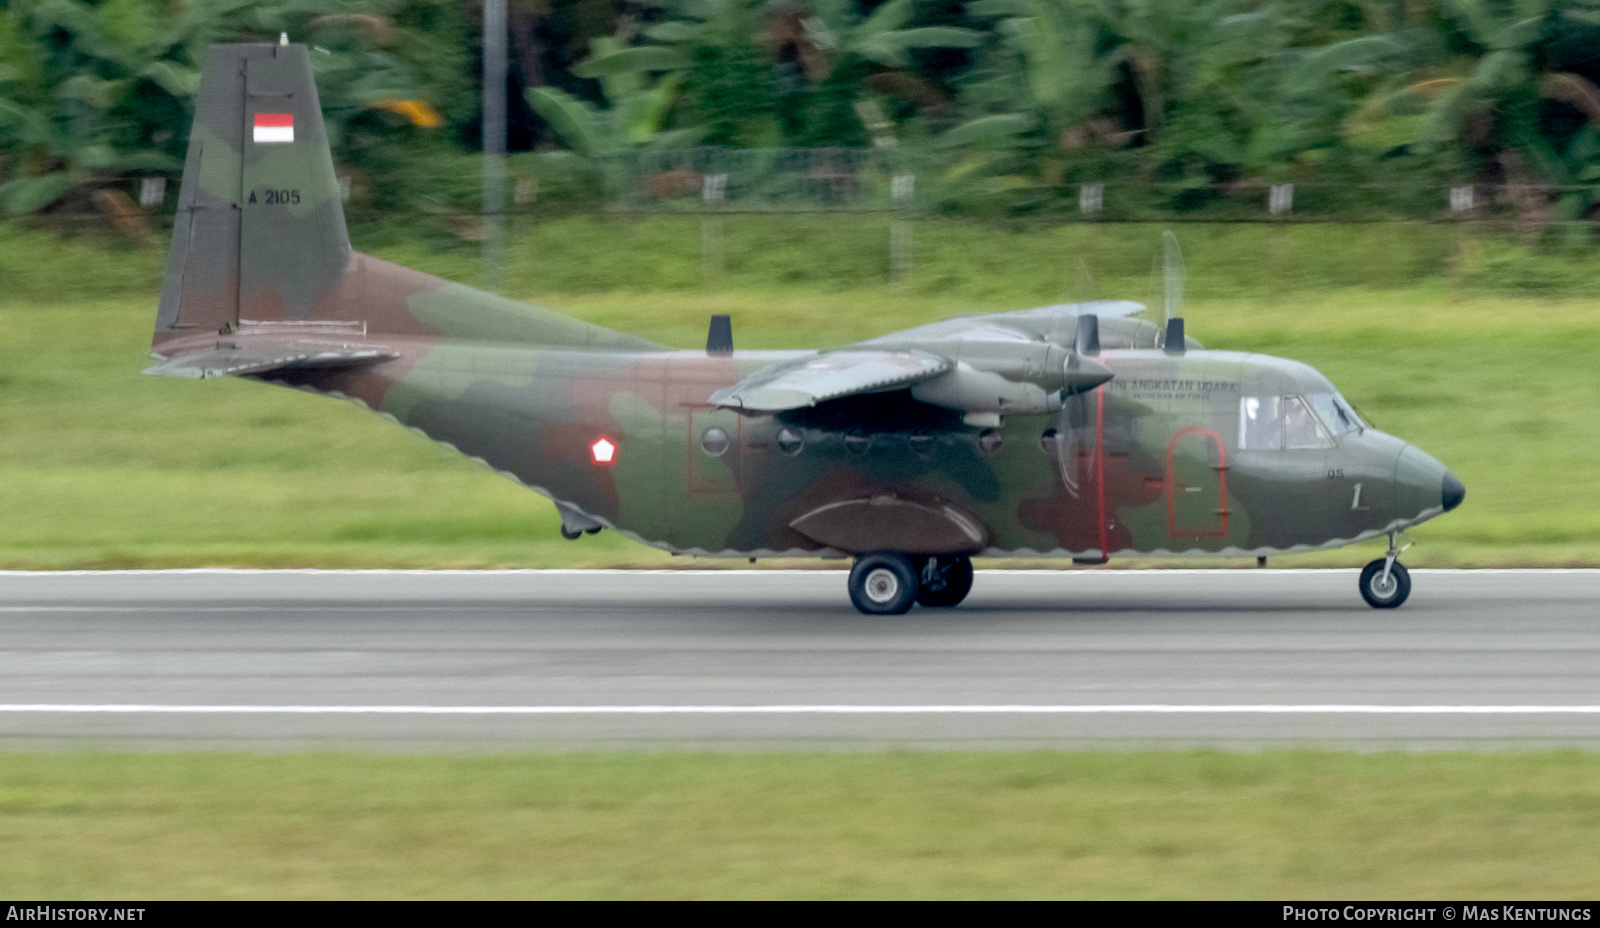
point(1385, 583)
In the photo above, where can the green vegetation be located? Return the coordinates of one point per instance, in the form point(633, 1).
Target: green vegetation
point(1000, 106)
point(97, 93)
point(103, 467)
point(889, 825)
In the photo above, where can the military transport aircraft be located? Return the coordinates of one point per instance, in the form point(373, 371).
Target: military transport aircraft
point(1077, 431)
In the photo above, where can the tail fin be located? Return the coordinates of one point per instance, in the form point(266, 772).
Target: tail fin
point(260, 252)
point(260, 232)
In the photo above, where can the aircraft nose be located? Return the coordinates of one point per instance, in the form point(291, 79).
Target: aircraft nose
point(1452, 493)
point(1422, 484)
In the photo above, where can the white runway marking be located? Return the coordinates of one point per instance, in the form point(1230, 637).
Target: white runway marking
point(167, 610)
point(1134, 709)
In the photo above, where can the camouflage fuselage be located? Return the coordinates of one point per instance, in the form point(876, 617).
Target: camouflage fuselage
point(1149, 462)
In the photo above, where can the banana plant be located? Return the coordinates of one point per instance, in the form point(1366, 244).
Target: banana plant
point(93, 91)
point(633, 120)
point(821, 57)
point(636, 110)
point(1477, 84)
point(885, 37)
point(830, 57)
point(1076, 77)
point(728, 85)
point(84, 112)
point(1052, 73)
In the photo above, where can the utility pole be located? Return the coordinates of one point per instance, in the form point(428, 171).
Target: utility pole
point(494, 142)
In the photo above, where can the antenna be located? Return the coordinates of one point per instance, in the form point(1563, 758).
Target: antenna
point(719, 338)
point(1173, 341)
point(1088, 341)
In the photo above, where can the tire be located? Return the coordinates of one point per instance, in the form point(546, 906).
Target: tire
point(952, 586)
point(1378, 597)
point(884, 583)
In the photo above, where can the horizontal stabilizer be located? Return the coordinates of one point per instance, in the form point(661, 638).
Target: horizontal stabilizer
point(248, 360)
point(829, 376)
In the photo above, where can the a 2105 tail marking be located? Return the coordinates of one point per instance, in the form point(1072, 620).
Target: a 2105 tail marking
point(1075, 431)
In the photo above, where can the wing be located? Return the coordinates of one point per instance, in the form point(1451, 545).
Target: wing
point(1050, 323)
point(813, 380)
point(244, 360)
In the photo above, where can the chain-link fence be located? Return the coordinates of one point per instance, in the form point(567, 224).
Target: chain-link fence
point(927, 183)
point(860, 217)
point(1506, 238)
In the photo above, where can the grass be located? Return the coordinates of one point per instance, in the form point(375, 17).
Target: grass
point(101, 467)
point(1016, 264)
point(1279, 824)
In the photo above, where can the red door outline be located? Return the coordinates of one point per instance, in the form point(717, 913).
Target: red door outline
point(1222, 484)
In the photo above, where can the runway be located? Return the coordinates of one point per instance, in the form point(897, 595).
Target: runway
point(556, 659)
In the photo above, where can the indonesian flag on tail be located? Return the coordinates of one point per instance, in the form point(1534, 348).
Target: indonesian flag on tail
point(274, 127)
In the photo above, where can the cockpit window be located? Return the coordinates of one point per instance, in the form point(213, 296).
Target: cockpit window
point(1273, 423)
point(1300, 429)
point(1335, 413)
point(1260, 423)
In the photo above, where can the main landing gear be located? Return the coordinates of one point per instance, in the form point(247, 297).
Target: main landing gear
point(1385, 584)
point(889, 583)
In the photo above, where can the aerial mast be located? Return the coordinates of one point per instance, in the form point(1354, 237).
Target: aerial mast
point(494, 140)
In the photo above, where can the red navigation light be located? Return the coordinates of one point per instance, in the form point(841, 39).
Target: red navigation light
point(604, 450)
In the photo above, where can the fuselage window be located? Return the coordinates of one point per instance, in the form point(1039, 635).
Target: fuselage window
point(790, 442)
point(714, 442)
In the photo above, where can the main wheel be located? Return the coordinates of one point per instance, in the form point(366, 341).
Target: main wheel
point(1382, 592)
point(884, 583)
point(946, 581)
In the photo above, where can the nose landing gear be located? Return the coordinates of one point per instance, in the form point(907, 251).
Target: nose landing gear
point(890, 583)
point(1385, 583)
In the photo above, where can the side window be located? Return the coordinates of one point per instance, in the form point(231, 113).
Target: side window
point(1260, 423)
point(1300, 429)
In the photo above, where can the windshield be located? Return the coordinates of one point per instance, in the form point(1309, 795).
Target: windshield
point(1335, 413)
point(1277, 423)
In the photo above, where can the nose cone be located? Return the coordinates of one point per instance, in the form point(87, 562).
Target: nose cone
point(1423, 487)
point(1452, 492)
